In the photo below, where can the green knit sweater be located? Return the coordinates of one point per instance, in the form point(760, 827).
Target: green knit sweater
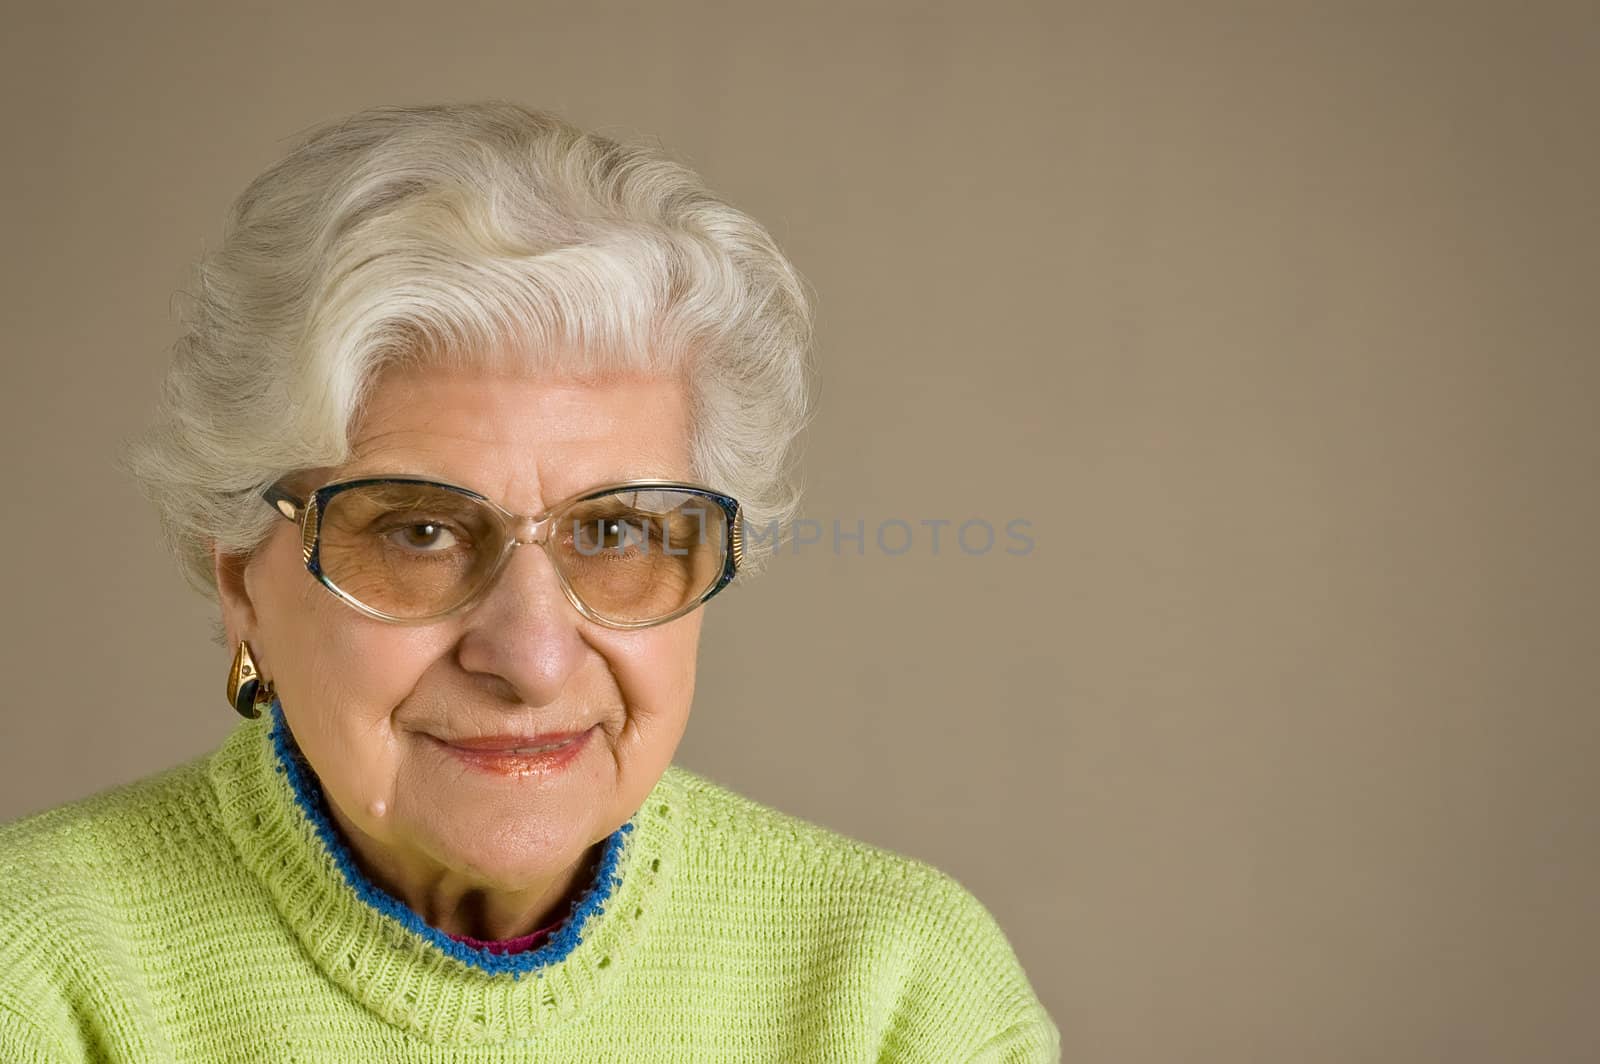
point(212, 913)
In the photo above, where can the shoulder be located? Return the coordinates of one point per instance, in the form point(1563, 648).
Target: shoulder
point(910, 935)
point(747, 837)
point(75, 881)
point(84, 846)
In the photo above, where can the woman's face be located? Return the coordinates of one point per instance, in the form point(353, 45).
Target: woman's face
point(366, 699)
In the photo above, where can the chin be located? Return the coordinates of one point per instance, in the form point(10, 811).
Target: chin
point(511, 864)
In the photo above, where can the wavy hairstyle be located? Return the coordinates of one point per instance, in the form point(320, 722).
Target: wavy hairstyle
point(469, 234)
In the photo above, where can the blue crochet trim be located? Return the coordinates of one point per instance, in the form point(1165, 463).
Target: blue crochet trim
point(561, 942)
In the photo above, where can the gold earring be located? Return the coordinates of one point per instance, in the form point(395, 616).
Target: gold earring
point(248, 694)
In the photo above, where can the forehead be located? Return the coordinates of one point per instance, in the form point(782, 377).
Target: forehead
point(525, 440)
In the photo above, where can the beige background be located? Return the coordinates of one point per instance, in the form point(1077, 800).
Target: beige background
point(1276, 322)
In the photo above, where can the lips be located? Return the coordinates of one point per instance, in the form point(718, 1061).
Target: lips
point(515, 757)
point(515, 743)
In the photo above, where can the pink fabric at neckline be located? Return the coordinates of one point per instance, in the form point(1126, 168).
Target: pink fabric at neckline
point(508, 945)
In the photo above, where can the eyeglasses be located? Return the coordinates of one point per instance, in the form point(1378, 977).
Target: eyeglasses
point(406, 549)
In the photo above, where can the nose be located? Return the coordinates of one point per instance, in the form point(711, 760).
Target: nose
point(526, 531)
point(524, 633)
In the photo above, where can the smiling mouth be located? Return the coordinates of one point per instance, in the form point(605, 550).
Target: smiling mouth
point(517, 744)
point(492, 755)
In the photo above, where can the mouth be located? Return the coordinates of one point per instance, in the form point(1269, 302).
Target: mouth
point(516, 744)
point(517, 756)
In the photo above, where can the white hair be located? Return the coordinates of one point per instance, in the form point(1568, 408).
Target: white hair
point(469, 234)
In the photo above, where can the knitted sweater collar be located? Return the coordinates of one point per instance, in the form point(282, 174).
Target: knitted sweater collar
point(411, 975)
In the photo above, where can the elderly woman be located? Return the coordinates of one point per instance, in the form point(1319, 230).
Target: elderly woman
point(474, 413)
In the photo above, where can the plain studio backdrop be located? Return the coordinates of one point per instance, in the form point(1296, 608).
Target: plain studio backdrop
point(1275, 323)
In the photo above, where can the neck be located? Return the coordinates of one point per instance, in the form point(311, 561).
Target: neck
point(456, 904)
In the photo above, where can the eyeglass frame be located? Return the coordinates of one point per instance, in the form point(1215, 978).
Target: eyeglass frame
point(306, 512)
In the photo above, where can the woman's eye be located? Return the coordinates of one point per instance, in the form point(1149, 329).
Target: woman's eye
point(620, 535)
point(423, 536)
point(611, 536)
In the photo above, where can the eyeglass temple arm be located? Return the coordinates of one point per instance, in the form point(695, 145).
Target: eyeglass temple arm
point(286, 504)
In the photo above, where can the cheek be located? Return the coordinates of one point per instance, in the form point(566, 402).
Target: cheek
point(361, 675)
point(655, 672)
point(342, 688)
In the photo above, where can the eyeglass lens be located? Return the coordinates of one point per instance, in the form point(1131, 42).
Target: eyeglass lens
point(415, 550)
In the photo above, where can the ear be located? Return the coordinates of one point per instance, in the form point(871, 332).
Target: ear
point(238, 612)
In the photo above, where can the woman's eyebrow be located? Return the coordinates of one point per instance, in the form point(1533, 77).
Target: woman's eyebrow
point(380, 470)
